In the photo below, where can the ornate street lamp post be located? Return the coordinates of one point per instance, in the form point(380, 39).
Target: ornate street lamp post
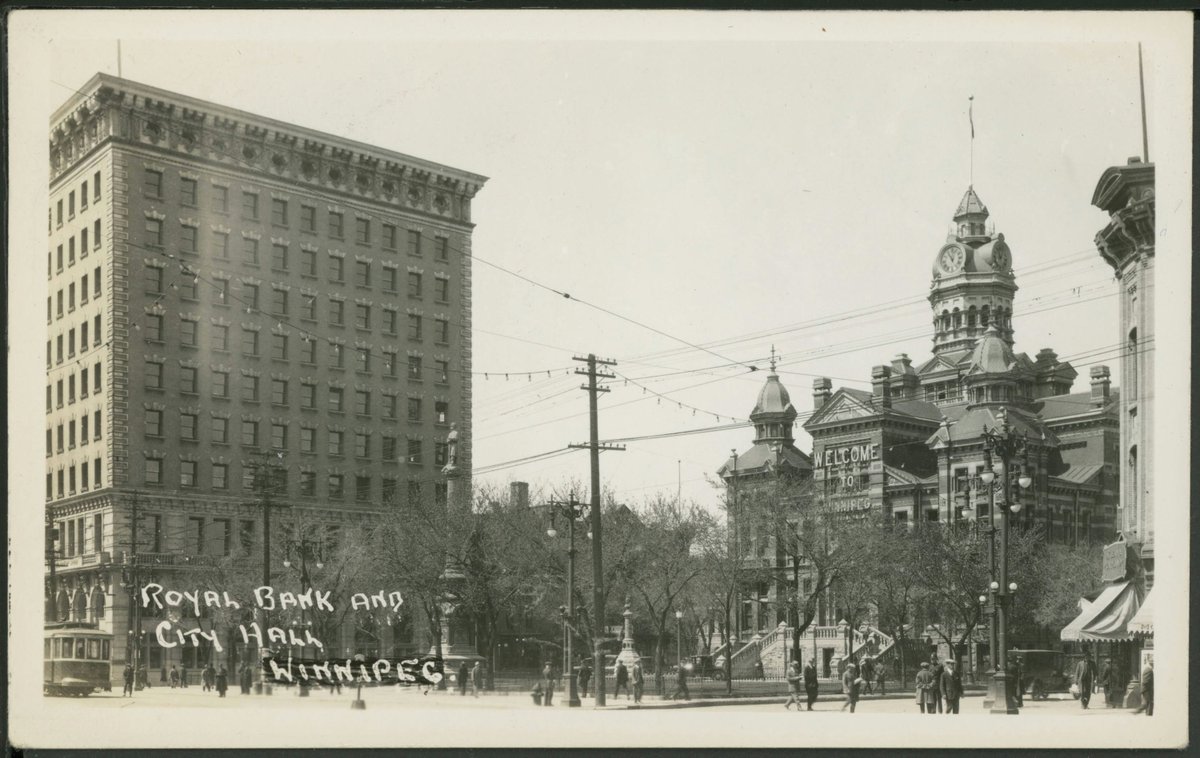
point(304, 547)
point(679, 637)
point(1001, 448)
point(572, 511)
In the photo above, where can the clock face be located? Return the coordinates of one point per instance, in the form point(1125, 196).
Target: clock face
point(951, 259)
point(1000, 257)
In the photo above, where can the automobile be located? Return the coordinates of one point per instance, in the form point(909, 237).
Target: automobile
point(707, 666)
point(1044, 671)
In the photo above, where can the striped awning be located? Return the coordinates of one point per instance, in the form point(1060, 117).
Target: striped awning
point(1107, 618)
point(1142, 622)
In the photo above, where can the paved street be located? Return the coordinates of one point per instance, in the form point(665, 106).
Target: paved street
point(411, 697)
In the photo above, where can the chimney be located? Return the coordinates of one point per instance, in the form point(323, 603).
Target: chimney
point(519, 494)
point(1100, 385)
point(901, 363)
point(1047, 357)
point(821, 391)
point(881, 391)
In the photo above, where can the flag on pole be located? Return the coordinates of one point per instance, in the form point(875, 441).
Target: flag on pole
point(971, 114)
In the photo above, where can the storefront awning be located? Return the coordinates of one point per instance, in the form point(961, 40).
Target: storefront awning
point(1107, 618)
point(1142, 622)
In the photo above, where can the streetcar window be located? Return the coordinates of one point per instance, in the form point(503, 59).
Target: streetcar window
point(56, 650)
point(79, 648)
point(93, 650)
point(67, 647)
point(104, 650)
point(47, 653)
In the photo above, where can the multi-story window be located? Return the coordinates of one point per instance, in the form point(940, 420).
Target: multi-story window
point(391, 365)
point(362, 488)
point(152, 184)
point(188, 240)
point(335, 399)
point(308, 350)
point(414, 450)
point(250, 388)
point(414, 368)
point(414, 242)
point(220, 338)
point(414, 492)
point(219, 430)
point(188, 285)
point(97, 433)
point(187, 425)
point(279, 302)
point(279, 436)
point(389, 236)
point(220, 196)
point(308, 262)
point(308, 219)
point(279, 256)
point(441, 412)
point(362, 273)
point(188, 380)
point(441, 291)
point(362, 402)
point(83, 383)
point(308, 395)
point(187, 473)
point(308, 483)
point(154, 324)
point(337, 358)
point(187, 334)
point(249, 251)
point(414, 284)
point(414, 326)
point(279, 211)
point(308, 439)
point(362, 316)
point(441, 248)
point(443, 331)
point(154, 471)
point(389, 448)
point(220, 383)
point(220, 291)
point(154, 232)
point(250, 295)
point(279, 391)
point(335, 442)
point(83, 242)
point(336, 487)
point(440, 453)
point(220, 246)
point(250, 433)
point(391, 278)
point(362, 444)
point(308, 307)
point(249, 342)
point(389, 490)
point(250, 206)
point(414, 409)
point(362, 360)
point(390, 320)
point(336, 225)
point(220, 476)
point(154, 375)
point(187, 192)
point(362, 231)
point(337, 270)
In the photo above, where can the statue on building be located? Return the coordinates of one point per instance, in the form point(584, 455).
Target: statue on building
point(451, 449)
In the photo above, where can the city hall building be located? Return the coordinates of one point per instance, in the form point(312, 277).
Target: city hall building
point(912, 447)
point(230, 295)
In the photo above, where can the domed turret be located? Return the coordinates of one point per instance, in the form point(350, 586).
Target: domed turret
point(773, 413)
point(992, 355)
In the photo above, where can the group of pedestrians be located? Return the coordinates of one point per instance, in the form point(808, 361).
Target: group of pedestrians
point(939, 686)
point(806, 678)
point(211, 679)
point(1109, 679)
point(472, 676)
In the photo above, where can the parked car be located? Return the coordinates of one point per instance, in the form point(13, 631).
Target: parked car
point(1044, 671)
point(708, 666)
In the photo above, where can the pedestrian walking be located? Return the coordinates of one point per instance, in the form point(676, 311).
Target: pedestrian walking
point(548, 681)
point(174, 677)
point(142, 678)
point(206, 678)
point(463, 675)
point(1085, 680)
point(849, 674)
point(638, 677)
point(758, 670)
point(936, 669)
point(128, 681)
point(794, 676)
point(585, 676)
point(247, 678)
point(868, 673)
point(880, 677)
point(222, 680)
point(856, 687)
point(622, 676)
point(183, 675)
point(952, 688)
point(1108, 680)
point(476, 678)
point(811, 686)
point(681, 685)
point(1147, 689)
point(1019, 666)
point(925, 688)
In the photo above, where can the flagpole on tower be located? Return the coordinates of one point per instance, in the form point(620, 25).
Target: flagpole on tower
point(1142, 89)
point(971, 118)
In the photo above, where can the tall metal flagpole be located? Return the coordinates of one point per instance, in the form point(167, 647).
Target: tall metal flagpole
point(971, 118)
point(1142, 89)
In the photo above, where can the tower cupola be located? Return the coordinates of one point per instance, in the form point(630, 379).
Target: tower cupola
point(773, 413)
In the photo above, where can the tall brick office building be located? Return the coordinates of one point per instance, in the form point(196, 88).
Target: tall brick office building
point(223, 290)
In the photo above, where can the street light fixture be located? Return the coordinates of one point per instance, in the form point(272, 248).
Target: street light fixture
point(679, 637)
point(572, 511)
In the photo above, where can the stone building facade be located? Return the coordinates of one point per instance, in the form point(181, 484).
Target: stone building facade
point(230, 295)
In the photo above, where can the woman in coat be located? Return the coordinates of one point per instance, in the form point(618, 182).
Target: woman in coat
point(925, 685)
point(848, 688)
point(793, 680)
point(223, 682)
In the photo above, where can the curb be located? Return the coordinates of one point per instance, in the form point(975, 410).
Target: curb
point(712, 702)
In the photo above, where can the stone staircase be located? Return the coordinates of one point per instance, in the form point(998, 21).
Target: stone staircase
point(773, 649)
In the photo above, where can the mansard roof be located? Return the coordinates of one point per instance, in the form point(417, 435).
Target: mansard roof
point(761, 457)
point(970, 425)
point(1075, 404)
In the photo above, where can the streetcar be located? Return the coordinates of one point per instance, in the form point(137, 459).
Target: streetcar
point(76, 659)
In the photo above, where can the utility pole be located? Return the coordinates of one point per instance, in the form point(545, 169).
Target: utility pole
point(597, 557)
point(266, 485)
point(572, 510)
point(51, 555)
point(135, 627)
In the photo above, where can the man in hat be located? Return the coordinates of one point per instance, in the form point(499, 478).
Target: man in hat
point(1147, 688)
point(811, 685)
point(951, 686)
point(1085, 679)
point(936, 668)
point(925, 687)
point(868, 673)
point(1108, 680)
point(848, 677)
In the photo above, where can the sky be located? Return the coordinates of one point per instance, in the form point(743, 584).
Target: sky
point(728, 194)
point(725, 180)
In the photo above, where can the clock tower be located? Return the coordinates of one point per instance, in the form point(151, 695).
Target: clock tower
point(973, 283)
